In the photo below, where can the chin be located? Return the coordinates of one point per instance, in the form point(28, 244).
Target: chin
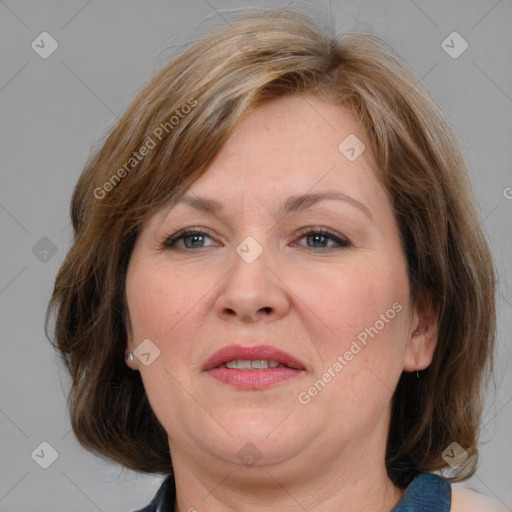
point(262, 439)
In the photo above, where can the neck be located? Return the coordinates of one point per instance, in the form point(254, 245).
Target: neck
point(352, 480)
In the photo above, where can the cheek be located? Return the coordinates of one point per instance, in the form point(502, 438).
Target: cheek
point(355, 296)
point(157, 301)
point(361, 333)
point(368, 314)
point(168, 307)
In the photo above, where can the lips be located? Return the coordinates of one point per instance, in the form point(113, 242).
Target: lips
point(249, 376)
point(259, 352)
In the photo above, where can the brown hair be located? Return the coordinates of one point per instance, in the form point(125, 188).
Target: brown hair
point(417, 157)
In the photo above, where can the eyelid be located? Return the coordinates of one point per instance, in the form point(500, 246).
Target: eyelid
point(342, 241)
point(182, 233)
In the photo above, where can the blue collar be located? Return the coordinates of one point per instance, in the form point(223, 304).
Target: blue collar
point(426, 493)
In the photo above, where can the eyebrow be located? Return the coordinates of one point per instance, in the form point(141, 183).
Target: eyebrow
point(292, 204)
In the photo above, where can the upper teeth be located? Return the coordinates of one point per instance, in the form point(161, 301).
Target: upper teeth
point(251, 365)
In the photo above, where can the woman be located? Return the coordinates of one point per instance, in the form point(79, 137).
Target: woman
point(279, 294)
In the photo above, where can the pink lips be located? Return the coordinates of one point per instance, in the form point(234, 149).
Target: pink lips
point(253, 379)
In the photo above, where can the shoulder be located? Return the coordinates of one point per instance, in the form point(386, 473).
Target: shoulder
point(467, 500)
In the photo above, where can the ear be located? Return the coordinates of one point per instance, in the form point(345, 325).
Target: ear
point(423, 338)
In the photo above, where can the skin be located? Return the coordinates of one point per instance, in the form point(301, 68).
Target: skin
point(307, 296)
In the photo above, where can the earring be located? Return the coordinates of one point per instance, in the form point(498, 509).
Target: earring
point(129, 357)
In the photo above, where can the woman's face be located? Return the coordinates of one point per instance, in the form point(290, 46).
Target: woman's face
point(323, 280)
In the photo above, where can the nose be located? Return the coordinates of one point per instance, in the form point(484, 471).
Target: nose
point(252, 291)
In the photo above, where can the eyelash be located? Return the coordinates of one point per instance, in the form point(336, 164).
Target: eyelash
point(342, 242)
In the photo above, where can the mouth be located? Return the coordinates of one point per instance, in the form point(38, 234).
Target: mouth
point(252, 367)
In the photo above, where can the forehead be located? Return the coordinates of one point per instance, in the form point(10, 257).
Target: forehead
point(291, 146)
point(293, 128)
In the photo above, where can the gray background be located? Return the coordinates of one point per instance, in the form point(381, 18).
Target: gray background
point(55, 110)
